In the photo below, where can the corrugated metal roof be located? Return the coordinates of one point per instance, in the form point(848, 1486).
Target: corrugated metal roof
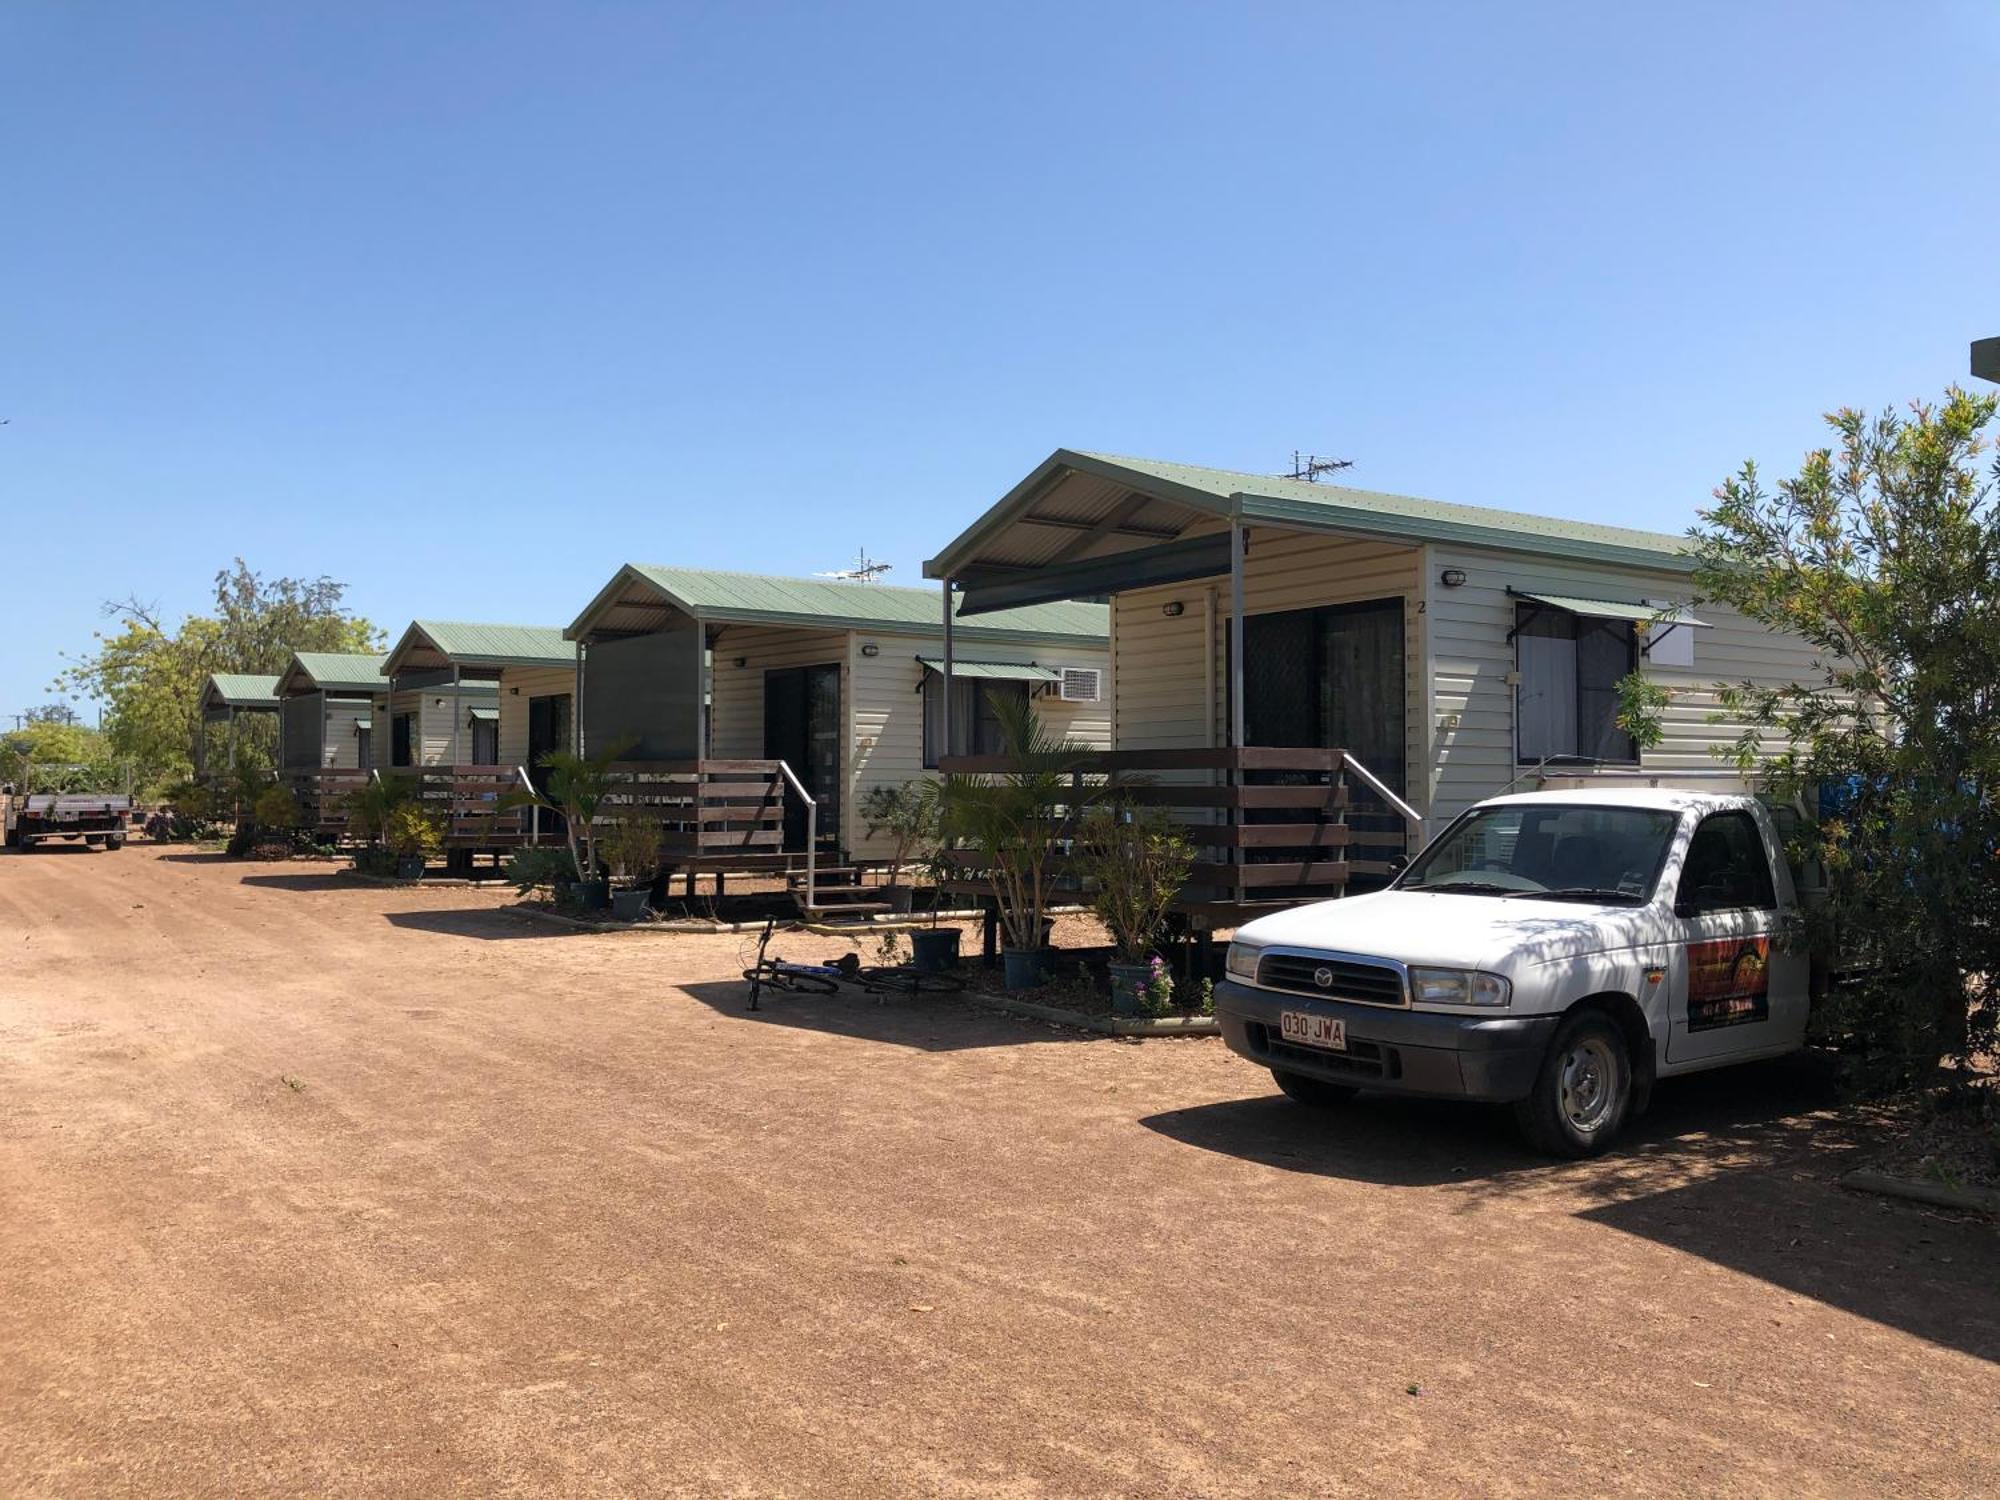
point(241, 690)
point(337, 671)
point(763, 599)
point(1003, 671)
point(1007, 532)
point(1616, 609)
point(448, 642)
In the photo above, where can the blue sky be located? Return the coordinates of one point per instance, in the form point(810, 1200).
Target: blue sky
point(466, 304)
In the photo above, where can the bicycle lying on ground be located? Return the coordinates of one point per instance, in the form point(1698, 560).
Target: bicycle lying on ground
point(777, 973)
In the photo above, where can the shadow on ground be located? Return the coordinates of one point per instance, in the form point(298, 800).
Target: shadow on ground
point(927, 1023)
point(490, 925)
point(321, 881)
point(1738, 1166)
point(199, 857)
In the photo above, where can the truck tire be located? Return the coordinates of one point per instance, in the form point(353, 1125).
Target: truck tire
point(1316, 1092)
point(115, 841)
point(1583, 1091)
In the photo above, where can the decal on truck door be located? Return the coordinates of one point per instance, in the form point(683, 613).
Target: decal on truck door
point(1729, 982)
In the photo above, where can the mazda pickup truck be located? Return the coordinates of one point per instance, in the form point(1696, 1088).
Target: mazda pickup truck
point(1556, 951)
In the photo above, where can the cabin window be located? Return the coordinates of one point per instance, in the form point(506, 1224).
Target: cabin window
point(364, 749)
point(485, 742)
point(1566, 706)
point(399, 740)
point(974, 719)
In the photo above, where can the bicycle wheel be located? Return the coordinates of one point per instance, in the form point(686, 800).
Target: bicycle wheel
point(906, 981)
point(773, 976)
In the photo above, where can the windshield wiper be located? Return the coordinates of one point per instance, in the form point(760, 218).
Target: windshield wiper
point(1583, 893)
point(1467, 888)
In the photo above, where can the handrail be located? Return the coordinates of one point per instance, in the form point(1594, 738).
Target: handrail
point(812, 833)
point(1375, 784)
point(534, 808)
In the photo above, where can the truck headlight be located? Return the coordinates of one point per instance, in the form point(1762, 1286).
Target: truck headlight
point(1241, 961)
point(1458, 987)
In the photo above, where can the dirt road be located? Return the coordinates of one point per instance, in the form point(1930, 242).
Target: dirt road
point(308, 1188)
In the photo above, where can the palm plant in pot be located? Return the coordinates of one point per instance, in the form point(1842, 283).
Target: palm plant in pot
point(631, 849)
point(577, 787)
point(935, 949)
point(1014, 824)
point(908, 814)
point(1134, 863)
point(370, 807)
point(415, 835)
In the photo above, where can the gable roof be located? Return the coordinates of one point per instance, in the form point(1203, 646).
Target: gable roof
point(333, 672)
point(764, 599)
point(246, 690)
point(455, 642)
point(1183, 493)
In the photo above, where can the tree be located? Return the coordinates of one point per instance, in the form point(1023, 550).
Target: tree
point(51, 713)
point(150, 677)
point(48, 756)
point(1884, 552)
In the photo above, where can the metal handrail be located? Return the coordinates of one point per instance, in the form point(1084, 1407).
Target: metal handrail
point(1375, 784)
point(534, 808)
point(812, 833)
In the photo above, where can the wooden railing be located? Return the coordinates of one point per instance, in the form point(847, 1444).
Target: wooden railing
point(712, 813)
point(468, 800)
point(1271, 826)
point(322, 794)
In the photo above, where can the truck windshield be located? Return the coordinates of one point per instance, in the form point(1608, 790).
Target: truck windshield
point(1561, 852)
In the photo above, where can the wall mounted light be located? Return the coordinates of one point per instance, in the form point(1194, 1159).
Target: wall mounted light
point(869, 648)
point(1173, 609)
point(515, 691)
point(1452, 578)
point(742, 662)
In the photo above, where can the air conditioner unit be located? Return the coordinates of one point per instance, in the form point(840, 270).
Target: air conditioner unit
point(1081, 684)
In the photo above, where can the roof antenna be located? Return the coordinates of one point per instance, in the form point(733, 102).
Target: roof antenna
point(1309, 466)
point(863, 571)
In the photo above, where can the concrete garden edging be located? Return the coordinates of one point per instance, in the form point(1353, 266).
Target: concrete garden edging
point(1933, 1194)
point(1132, 1026)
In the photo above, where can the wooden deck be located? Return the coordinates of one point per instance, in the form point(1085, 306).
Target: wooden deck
point(1271, 826)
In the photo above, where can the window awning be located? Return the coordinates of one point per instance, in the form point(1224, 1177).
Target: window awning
point(1637, 611)
point(1003, 671)
point(364, 722)
point(483, 715)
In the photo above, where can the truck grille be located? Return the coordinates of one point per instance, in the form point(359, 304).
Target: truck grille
point(1361, 1059)
point(1347, 978)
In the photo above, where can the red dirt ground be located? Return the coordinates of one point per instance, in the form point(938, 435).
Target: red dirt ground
point(315, 1188)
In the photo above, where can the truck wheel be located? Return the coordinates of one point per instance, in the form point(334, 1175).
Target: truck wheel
point(1584, 1089)
point(1314, 1091)
point(115, 841)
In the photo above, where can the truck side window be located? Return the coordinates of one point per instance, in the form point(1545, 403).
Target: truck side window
point(1727, 868)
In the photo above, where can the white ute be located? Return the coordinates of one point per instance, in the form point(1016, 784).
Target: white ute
point(1557, 951)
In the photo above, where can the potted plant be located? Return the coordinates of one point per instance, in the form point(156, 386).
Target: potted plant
point(415, 836)
point(934, 950)
point(1014, 822)
point(539, 867)
point(1134, 863)
point(578, 786)
point(908, 814)
point(631, 849)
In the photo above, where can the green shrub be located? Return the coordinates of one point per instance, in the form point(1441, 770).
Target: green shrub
point(539, 867)
point(276, 810)
point(410, 830)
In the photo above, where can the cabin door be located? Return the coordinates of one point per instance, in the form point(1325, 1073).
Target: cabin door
point(1329, 678)
point(802, 727)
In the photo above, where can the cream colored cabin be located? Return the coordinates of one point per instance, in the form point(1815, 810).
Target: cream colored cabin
point(479, 695)
point(1454, 651)
point(842, 681)
point(328, 704)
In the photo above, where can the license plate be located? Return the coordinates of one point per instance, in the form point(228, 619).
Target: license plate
point(1309, 1030)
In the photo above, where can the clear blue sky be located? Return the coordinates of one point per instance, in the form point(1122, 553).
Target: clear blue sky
point(465, 304)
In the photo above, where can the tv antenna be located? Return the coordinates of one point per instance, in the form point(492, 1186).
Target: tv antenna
point(865, 570)
point(1309, 466)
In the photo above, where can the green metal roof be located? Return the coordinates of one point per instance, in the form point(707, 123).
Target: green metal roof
point(471, 645)
point(335, 672)
point(761, 599)
point(1002, 671)
point(1327, 507)
point(1638, 612)
point(241, 690)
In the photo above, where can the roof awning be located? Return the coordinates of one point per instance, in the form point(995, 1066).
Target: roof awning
point(1637, 611)
point(483, 715)
point(1003, 671)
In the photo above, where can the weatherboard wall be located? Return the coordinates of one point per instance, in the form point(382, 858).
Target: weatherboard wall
point(1473, 710)
point(518, 686)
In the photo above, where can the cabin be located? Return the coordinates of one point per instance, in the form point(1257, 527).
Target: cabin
point(845, 684)
point(225, 698)
point(329, 702)
point(1316, 675)
point(473, 708)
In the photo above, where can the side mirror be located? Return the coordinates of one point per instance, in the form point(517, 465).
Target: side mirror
point(1399, 864)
